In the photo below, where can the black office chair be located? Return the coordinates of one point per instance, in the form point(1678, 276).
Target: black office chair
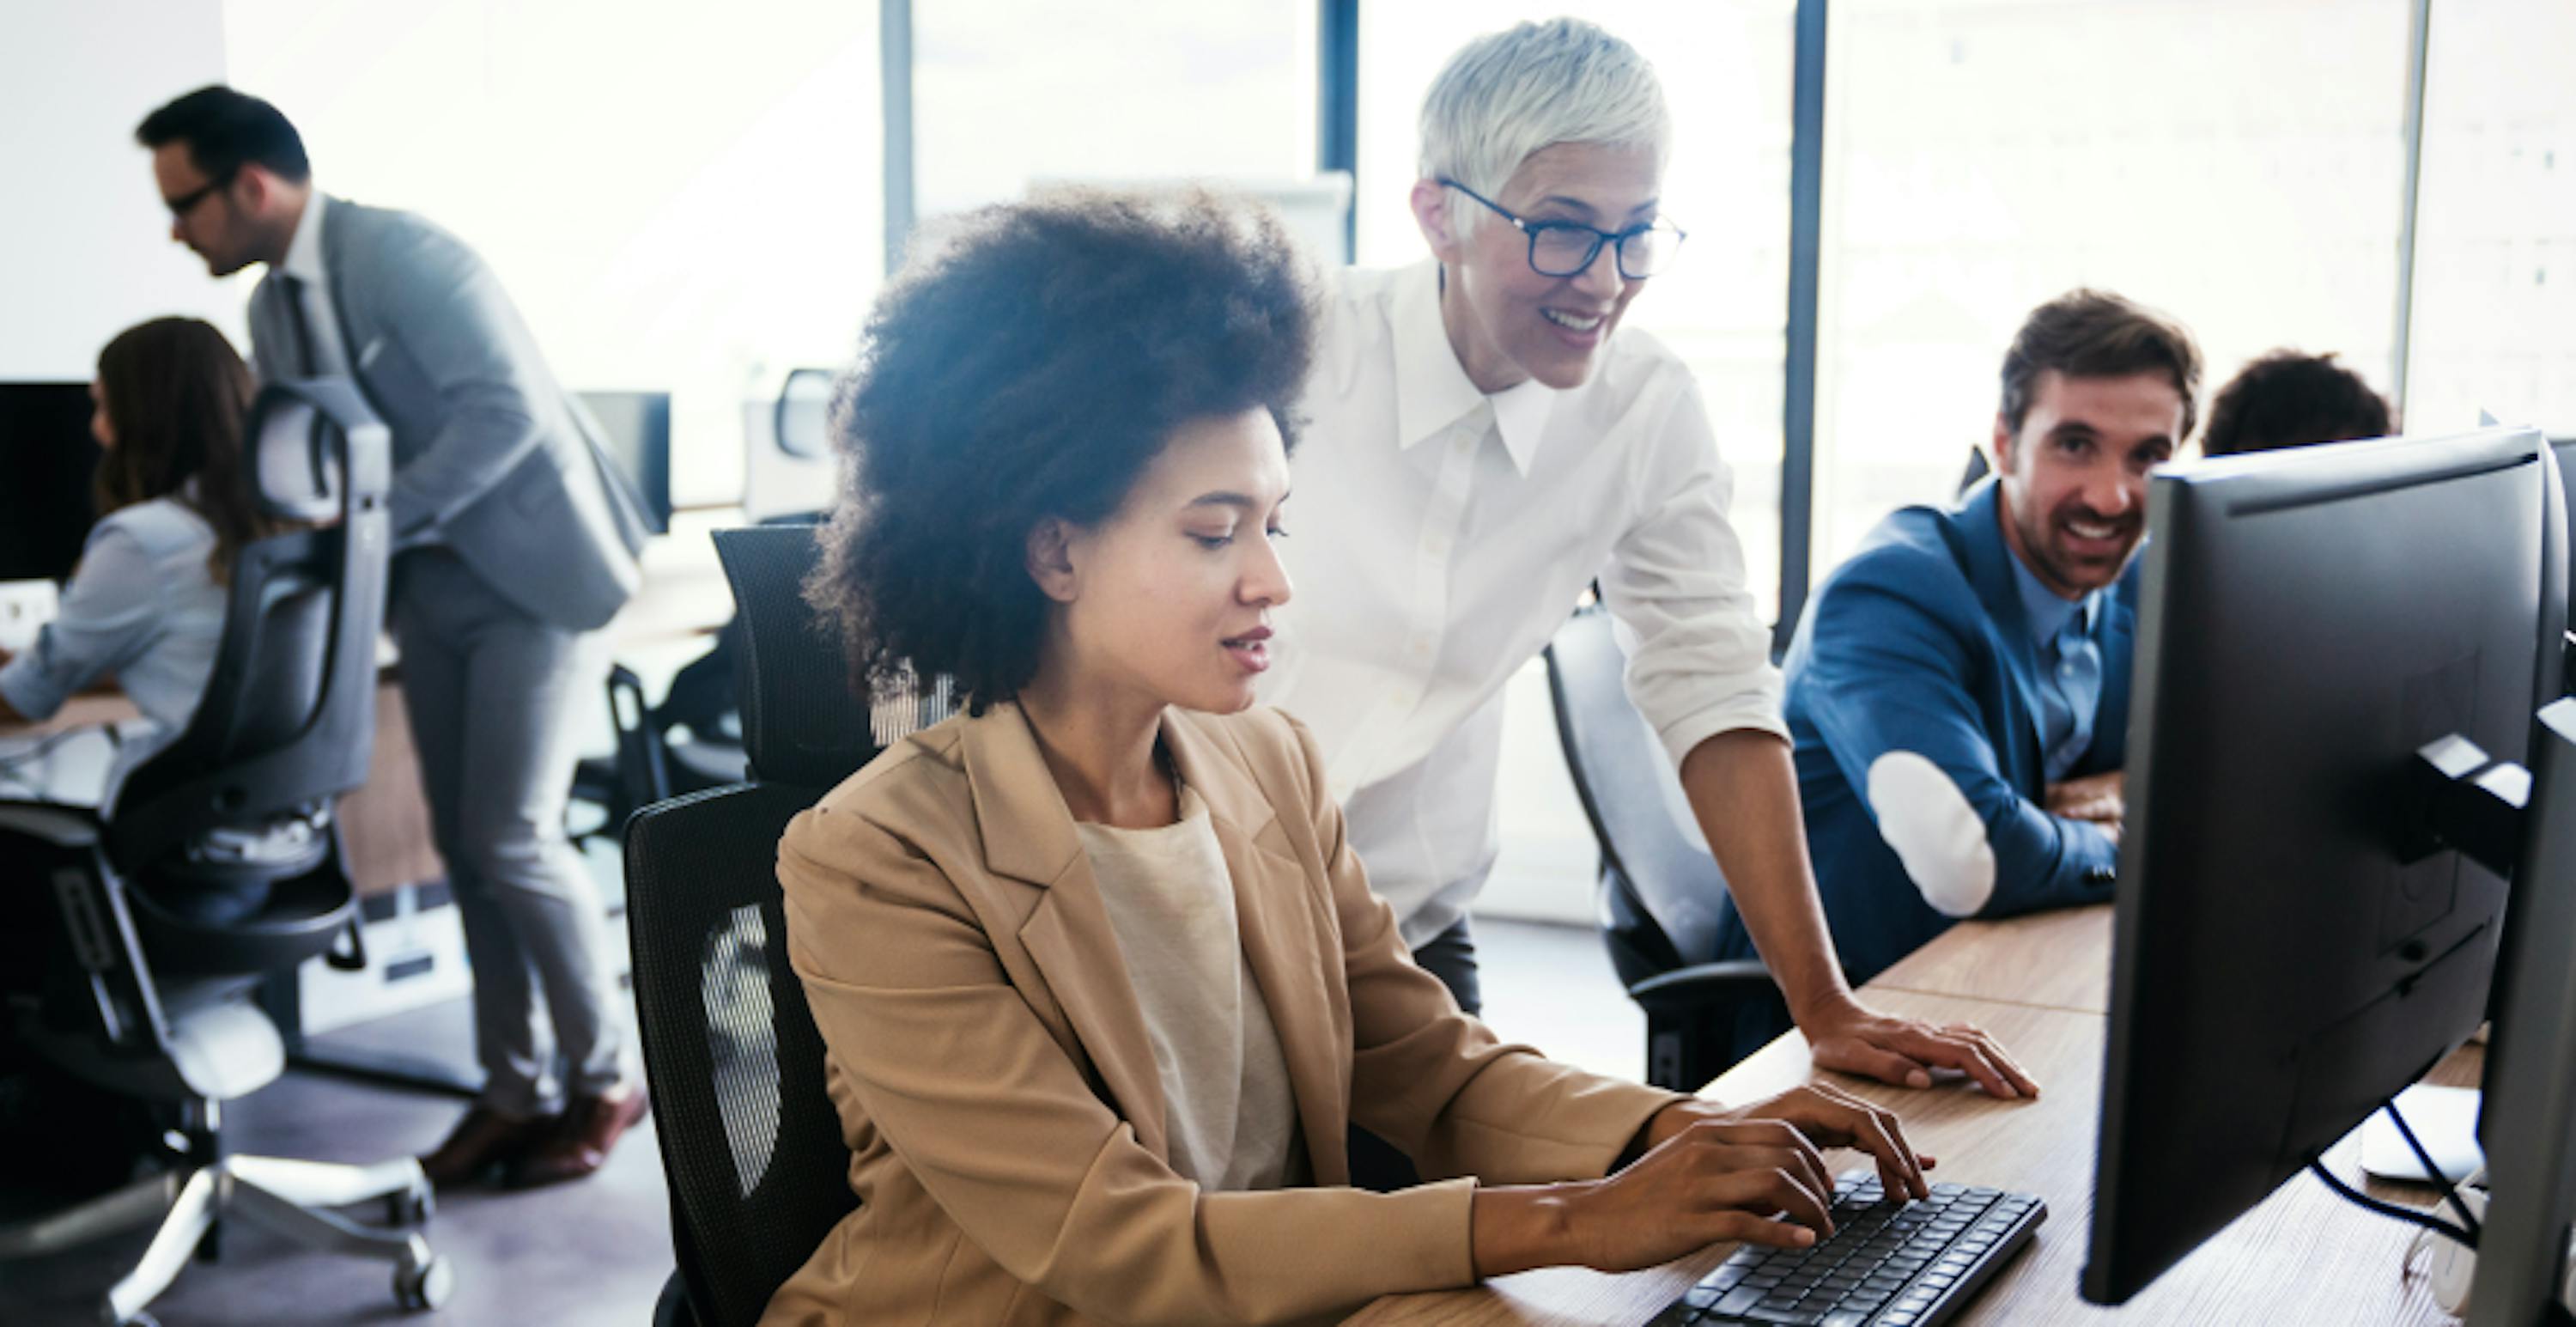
point(689, 743)
point(219, 863)
point(751, 1145)
point(1659, 890)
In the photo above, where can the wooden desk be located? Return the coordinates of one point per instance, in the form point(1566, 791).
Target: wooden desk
point(2054, 960)
point(385, 823)
point(2302, 1256)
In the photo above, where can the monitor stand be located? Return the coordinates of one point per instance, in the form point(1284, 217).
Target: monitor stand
point(2445, 1120)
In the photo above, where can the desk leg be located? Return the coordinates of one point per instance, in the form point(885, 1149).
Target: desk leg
point(415, 1073)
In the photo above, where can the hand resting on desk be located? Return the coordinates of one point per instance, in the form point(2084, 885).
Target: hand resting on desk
point(1709, 1175)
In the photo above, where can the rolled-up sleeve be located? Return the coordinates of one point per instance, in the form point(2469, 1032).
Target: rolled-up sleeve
point(109, 614)
point(1699, 657)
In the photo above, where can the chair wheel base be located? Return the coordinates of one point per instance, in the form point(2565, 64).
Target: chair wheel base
point(425, 1287)
point(411, 1207)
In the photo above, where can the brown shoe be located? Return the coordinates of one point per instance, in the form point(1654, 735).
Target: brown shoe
point(591, 1127)
point(484, 1139)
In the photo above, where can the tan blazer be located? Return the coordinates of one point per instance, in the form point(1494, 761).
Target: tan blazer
point(1000, 1096)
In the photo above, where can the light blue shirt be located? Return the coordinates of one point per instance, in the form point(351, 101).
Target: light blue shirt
point(2070, 669)
point(142, 606)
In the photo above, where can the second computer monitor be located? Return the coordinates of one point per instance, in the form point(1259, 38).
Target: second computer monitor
point(47, 460)
point(2310, 619)
point(637, 426)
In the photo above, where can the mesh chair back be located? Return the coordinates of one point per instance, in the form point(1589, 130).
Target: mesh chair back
point(1660, 888)
point(288, 718)
point(751, 1146)
point(798, 707)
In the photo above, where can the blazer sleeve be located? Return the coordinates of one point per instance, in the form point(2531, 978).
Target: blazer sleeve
point(1433, 1081)
point(988, 1111)
point(1884, 684)
point(451, 316)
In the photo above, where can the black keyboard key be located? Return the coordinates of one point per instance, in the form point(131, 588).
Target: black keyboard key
point(1737, 1301)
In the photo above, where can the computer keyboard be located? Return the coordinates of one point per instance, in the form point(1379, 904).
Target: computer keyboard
point(1905, 1264)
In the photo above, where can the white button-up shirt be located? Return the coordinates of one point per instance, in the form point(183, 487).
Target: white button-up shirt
point(1440, 536)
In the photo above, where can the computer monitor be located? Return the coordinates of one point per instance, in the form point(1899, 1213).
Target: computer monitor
point(637, 428)
point(790, 471)
point(2310, 618)
point(47, 460)
point(2527, 1121)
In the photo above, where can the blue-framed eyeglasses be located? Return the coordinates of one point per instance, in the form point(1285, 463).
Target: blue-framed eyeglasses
point(1567, 248)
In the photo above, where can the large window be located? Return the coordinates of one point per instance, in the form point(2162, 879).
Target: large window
point(2495, 264)
point(678, 197)
point(1010, 93)
point(2236, 163)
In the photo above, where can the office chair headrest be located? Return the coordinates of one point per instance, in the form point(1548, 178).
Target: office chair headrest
point(300, 436)
point(802, 723)
point(802, 421)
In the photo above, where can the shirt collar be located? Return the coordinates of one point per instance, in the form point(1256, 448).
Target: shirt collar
point(2048, 613)
point(304, 252)
point(1433, 391)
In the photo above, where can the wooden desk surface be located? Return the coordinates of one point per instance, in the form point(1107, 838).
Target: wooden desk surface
point(2055, 960)
point(2302, 1256)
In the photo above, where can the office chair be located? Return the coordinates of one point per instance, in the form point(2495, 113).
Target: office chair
point(1659, 889)
point(651, 763)
point(751, 1145)
point(148, 992)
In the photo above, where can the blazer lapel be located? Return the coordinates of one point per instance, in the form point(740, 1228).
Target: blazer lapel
point(1286, 944)
point(1028, 835)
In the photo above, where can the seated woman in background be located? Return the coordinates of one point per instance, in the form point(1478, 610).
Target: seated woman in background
point(146, 604)
point(1101, 985)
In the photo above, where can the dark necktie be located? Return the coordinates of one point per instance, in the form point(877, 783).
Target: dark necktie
point(301, 331)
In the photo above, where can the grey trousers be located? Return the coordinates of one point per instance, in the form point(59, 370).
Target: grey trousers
point(491, 692)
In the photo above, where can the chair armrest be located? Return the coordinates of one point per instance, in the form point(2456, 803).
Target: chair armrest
point(63, 826)
point(1701, 986)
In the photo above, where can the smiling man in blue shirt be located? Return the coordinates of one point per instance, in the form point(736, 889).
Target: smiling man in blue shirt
point(1958, 692)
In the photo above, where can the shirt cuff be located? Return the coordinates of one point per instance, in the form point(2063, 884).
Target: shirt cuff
point(29, 691)
point(1758, 709)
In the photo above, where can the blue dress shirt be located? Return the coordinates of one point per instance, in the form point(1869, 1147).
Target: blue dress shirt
point(2070, 669)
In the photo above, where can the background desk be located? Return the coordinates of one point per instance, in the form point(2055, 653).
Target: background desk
point(2040, 985)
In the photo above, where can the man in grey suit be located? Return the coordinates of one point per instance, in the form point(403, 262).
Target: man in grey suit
point(515, 542)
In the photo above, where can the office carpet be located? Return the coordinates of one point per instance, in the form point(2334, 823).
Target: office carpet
point(596, 1252)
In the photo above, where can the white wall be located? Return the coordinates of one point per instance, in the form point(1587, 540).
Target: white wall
point(87, 241)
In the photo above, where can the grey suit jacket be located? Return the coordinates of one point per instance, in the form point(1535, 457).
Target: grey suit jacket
point(491, 457)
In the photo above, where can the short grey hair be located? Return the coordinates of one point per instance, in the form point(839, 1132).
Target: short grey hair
point(1508, 94)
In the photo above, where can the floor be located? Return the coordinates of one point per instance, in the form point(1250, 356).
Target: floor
point(596, 1252)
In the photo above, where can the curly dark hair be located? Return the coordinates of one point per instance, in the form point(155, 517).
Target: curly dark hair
point(1031, 369)
point(2288, 399)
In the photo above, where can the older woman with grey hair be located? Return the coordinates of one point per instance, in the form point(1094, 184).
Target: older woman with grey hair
point(1487, 441)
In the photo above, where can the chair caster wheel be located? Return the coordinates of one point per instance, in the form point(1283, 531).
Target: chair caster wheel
point(420, 1289)
point(411, 1207)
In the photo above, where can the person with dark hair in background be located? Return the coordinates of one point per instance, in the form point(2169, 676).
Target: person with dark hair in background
point(1099, 975)
point(2289, 399)
point(146, 604)
point(1959, 689)
point(173, 495)
point(515, 542)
